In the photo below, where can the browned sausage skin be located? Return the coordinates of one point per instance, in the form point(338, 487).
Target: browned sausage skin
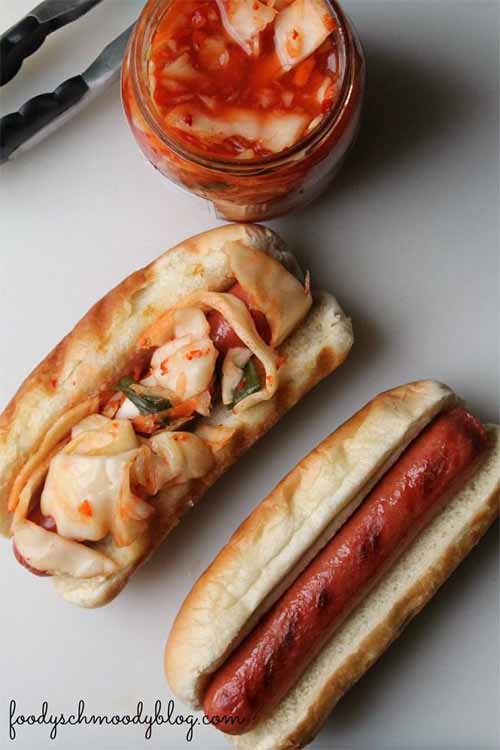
point(47, 523)
point(262, 670)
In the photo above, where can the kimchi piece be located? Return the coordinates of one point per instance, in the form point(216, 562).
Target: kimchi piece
point(243, 79)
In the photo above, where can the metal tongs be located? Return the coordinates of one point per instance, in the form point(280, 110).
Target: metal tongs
point(43, 114)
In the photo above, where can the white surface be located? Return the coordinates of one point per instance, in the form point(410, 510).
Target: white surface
point(407, 239)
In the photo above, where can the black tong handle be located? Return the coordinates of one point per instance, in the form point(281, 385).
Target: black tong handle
point(28, 34)
point(19, 42)
point(18, 127)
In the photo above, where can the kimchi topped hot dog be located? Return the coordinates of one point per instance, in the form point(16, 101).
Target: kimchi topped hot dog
point(151, 397)
point(333, 563)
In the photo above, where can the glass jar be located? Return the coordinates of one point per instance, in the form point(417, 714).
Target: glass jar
point(259, 188)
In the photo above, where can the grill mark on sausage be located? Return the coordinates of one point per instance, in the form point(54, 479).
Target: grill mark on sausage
point(291, 632)
point(364, 552)
point(372, 544)
point(324, 598)
point(289, 635)
point(433, 474)
point(269, 672)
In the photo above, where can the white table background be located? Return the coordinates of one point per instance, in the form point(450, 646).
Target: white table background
point(407, 239)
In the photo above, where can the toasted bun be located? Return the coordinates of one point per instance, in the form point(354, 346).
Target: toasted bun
point(384, 613)
point(287, 530)
point(95, 353)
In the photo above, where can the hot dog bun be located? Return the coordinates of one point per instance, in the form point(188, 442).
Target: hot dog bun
point(288, 528)
point(286, 531)
point(95, 352)
point(385, 612)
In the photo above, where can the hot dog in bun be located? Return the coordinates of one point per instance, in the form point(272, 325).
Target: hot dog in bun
point(330, 567)
point(153, 395)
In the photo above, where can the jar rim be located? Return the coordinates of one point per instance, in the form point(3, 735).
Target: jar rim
point(140, 43)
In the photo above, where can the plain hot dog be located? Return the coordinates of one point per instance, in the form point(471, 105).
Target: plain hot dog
point(374, 519)
point(266, 665)
point(151, 397)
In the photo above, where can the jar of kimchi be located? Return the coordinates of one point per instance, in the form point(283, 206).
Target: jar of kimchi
point(249, 104)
